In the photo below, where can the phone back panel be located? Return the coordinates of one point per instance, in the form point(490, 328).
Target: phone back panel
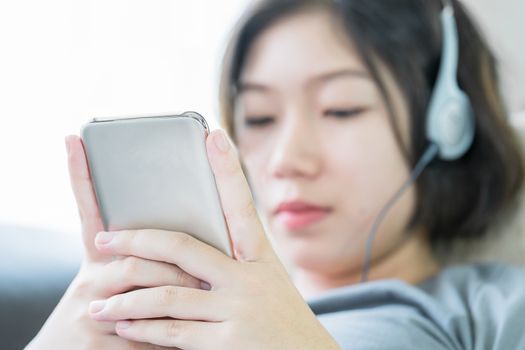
point(153, 173)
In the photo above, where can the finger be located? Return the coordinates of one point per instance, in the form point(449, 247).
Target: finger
point(90, 218)
point(167, 301)
point(131, 272)
point(133, 345)
point(188, 253)
point(187, 335)
point(115, 342)
point(246, 230)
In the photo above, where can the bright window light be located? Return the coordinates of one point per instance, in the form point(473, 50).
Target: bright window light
point(64, 62)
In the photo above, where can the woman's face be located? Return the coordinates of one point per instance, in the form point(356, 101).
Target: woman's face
point(311, 126)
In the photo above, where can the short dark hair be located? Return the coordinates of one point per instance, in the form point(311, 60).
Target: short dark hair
point(455, 199)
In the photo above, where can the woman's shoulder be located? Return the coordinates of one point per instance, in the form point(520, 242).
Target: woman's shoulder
point(475, 277)
point(468, 280)
point(473, 283)
point(461, 307)
point(465, 286)
point(486, 302)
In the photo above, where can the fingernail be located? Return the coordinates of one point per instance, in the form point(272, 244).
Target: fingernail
point(123, 324)
point(104, 237)
point(205, 285)
point(220, 141)
point(96, 306)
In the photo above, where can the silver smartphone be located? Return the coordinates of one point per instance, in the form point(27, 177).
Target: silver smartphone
point(152, 172)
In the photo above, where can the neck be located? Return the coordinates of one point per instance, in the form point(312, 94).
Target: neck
point(411, 262)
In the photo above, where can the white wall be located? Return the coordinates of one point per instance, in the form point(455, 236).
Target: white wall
point(504, 24)
point(63, 62)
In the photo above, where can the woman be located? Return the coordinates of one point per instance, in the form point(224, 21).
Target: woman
point(326, 103)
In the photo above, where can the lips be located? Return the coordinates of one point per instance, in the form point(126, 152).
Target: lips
point(299, 214)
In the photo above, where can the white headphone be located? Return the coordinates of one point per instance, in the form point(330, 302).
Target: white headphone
point(450, 118)
point(450, 125)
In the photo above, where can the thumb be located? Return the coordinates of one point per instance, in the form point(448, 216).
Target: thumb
point(84, 194)
point(246, 230)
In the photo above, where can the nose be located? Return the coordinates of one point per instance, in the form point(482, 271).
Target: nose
point(297, 151)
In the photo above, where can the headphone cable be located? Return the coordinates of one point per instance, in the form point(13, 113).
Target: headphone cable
point(427, 157)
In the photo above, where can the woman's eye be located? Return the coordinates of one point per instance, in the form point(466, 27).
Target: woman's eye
point(344, 113)
point(258, 122)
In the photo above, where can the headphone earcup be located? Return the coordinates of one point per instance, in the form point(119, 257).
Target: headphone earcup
point(450, 124)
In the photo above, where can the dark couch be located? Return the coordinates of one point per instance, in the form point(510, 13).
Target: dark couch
point(36, 267)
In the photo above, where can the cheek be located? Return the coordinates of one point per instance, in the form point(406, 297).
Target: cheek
point(364, 167)
point(371, 172)
point(365, 161)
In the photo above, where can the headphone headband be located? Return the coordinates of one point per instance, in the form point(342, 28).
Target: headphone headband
point(450, 118)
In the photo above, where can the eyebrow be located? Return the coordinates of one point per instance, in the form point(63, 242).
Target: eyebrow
point(340, 74)
point(244, 86)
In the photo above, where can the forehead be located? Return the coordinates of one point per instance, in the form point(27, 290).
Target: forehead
point(298, 47)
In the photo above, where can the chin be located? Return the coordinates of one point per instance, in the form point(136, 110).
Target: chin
point(321, 252)
point(308, 255)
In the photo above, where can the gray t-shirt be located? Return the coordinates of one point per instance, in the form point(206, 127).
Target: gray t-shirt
point(478, 306)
